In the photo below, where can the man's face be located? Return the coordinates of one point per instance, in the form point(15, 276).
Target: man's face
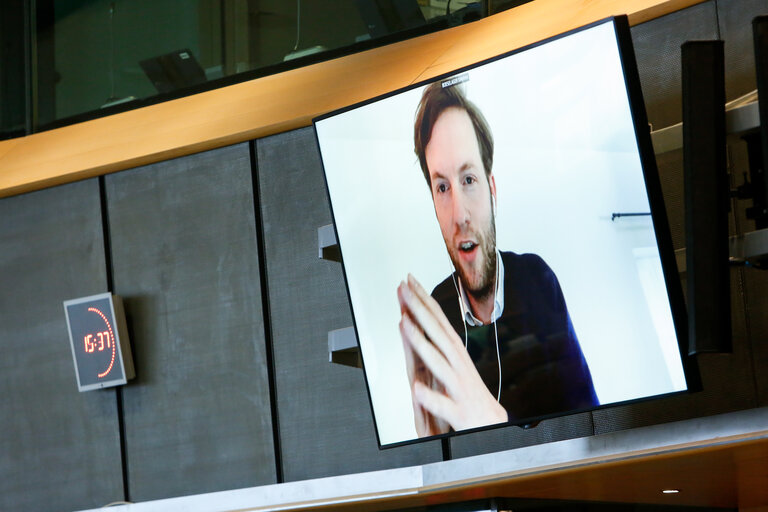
point(463, 198)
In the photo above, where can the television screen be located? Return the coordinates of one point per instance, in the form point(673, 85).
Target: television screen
point(504, 242)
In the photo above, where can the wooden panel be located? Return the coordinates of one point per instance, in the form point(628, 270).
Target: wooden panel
point(288, 100)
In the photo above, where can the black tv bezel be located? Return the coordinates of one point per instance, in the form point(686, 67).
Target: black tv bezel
point(655, 200)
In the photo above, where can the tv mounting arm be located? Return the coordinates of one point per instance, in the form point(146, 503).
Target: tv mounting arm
point(741, 119)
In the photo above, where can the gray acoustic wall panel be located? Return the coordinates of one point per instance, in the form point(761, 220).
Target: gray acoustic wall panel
point(185, 259)
point(735, 23)
point(657, 49)
point(555, 429)
point(59, 449)
point(325, 419)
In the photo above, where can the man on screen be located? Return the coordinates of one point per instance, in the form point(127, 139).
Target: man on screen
point(494, 341)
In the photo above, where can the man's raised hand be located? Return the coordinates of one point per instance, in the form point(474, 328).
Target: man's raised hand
point(434, 352)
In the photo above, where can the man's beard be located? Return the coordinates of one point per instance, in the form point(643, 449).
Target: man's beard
point(481, 285)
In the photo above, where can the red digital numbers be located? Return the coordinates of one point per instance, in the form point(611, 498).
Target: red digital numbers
point(103, 340)
point(92, 344)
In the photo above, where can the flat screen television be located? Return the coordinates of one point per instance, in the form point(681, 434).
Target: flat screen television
point(504, 241)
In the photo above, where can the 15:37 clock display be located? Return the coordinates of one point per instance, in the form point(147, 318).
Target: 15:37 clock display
point(99, 341)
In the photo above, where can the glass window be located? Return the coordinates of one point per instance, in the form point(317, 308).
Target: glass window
point(90, 58)
point(13, 75)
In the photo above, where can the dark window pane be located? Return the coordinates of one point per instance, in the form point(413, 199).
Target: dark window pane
point(98, 57)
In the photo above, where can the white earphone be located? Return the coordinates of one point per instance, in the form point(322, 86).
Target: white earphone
point(464, 317)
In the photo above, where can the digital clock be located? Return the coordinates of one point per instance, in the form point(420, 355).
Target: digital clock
point(99, 341)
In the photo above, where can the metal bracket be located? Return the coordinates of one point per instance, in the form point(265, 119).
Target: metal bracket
point(342, 347)
point(327, 246)
point(342, 343)
point(741, 115)
point(751, 248)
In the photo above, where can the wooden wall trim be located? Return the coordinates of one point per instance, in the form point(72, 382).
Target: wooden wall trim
point(288, 100)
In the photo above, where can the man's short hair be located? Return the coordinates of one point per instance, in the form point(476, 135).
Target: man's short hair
point(434, 101)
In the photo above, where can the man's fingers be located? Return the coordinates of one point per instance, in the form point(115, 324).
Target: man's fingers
point(401, 298)
point(437, 404)
point(409, 356)
point(420, 419)
point(431, 357)
point(430, 317)
point(409, 360)
point(462, 400)
point(430, 303)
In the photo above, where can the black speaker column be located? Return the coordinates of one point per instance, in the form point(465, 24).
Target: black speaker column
point(706, 197)
point(758, 149)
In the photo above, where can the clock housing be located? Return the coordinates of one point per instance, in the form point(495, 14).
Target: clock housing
point(99, 341)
